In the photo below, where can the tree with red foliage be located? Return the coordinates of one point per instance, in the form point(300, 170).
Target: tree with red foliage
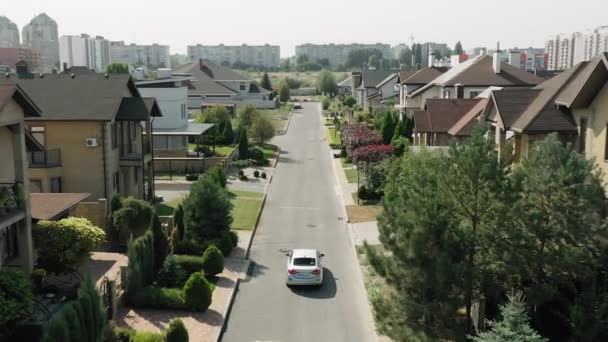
point(371, 153)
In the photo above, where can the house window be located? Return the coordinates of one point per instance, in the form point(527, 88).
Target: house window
point(39, 133)
point(116, 181)
point(582, 136)
point(446, 94)
point(11, 242)
point(56, 185)
point(243, 87)
point(35, 185)
point(114, 130)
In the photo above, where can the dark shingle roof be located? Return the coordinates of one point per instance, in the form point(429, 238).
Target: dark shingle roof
point(348, 82)
point(152, 106)
point(13, 91)
point(441, 114)
point(84, 97)
point(481, 73)
point(424, 76)
point(203, 85)
point(464, 126)
point(256, 89)
point(48, 206)
point(221, 73)
point(133, 108)
point(370, 79)
point(511, 103)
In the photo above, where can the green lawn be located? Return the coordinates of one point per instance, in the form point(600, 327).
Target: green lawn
point(351, 175)
point(245, 212)
point(167, 208)
point(220, 150)
point(332, 136)
point(251, 194)
point(346, 164)
point(269, 150)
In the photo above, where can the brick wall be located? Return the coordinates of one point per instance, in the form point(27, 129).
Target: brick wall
point(96, 212)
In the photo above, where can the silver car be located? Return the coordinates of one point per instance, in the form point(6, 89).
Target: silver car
point(304, 267)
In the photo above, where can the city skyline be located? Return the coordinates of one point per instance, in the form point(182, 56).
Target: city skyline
point(518, 28)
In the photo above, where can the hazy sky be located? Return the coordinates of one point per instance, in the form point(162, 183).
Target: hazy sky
point(178, 23)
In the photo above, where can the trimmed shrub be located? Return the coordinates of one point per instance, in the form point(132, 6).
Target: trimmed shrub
point(224, 244)
point(256, 154)
point(263, 175)
point(243, 177)
point(161, 243)
point(241, 173)
point(207, 210)
point(87, 309)
point(256, 174)
point(189, 247)
point(58, 329)
point(213, 261)
point(218, 174)
point(325, 103)
point(234, 238)
point(73, 323)
point(141, 263)
point(145, 336)
point(192, 177)
point(178, 221)
point(171, 274)
point(177, 331)
point(63, 245)
point(197, 293)
point(134, 216)
point(15, 296)
point(189, 263)
point(158, 298)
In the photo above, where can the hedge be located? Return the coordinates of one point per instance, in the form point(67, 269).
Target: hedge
point(189, 263)
point(213, 261)
point(177, 332)
point(158, 298)
point(141, 263)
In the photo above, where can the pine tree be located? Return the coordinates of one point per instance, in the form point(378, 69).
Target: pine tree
point(161, 243)
point(388, 128)
point(398, 130)
point(408, 129)
point(243, 144)
point(266, 84)
point(458, 49)
point(228, 133)
point(513, 326)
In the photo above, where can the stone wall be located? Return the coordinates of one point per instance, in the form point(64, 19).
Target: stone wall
point(96, 212)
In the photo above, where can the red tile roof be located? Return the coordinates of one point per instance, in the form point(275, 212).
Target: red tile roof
point(441, 114)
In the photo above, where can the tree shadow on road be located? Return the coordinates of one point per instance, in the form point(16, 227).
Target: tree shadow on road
point(326, 291)
point(255, 270)
point(287, 160)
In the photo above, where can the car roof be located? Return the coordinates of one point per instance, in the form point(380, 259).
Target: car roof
point(297, 253)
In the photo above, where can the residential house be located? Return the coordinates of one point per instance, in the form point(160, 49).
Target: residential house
point(216, 84)
point(90, 121)
point(469, 79)
point(345, 87)
point(410, 81)
point(433, 123)
point(365, 83)
point(387, 92)
point(586, 96)
point(15, 213)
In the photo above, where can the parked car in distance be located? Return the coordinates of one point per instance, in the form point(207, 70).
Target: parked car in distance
point(304, 267)
point(297, 105)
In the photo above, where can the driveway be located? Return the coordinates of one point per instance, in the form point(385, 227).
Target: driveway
point(302, 210)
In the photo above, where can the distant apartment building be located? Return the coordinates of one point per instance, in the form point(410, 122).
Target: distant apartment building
point(534, 59)
point(11, 56)
point(565, 50)
point(596, 42)
point(268, 56)
point(41, 35)
point(9, 33)
point(397, 49)
point(150, 56)
point(84, 51)
point(337, 54)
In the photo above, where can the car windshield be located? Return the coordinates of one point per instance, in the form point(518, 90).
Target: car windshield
point(304, 262)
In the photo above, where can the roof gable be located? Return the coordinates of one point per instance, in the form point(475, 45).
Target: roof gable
point(441, 114)
point(583, 88)
point(202, 83)
point(14, 92)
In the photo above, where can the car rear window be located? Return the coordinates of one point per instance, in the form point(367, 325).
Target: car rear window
point(304, 262)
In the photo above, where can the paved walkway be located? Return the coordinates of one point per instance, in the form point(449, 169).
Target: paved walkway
point(103, 264)
point(202, 326)
point(172, 189)
point(252, 184)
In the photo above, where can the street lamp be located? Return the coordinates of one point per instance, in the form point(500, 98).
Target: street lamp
point(357, 165)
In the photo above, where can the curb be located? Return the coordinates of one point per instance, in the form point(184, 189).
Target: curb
point(226, 315)
point(288, 122)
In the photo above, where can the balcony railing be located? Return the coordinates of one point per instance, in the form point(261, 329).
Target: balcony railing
point(46, 158)
point(11, 198)
point(130, 152)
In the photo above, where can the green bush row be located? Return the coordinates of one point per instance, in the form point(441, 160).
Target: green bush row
point(211, 263)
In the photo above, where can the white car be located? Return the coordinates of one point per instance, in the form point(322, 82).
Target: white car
point(304, 267)
point(297, 105)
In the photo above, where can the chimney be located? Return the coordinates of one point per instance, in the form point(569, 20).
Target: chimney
point(496, 62)
point(459, 90)
point(431, 59)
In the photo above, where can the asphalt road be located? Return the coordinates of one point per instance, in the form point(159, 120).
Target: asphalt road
point(302, 211)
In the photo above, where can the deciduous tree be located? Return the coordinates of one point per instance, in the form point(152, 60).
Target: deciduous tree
point(262, 130)
point(117, 68)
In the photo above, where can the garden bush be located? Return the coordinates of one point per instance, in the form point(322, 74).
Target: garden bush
point(256, 154)
point(207, 210)
point(141, 263)
point(213, 261)
point(146, 336)
point(241, 172)
point(224, 244)
point(171, 274)
point(256, 174)
point(63, 245)
point(263, 175)
point(161, 243)
point(325, 103)
point(189, 247)
point(58, 329)
point(218, 174)
point(189, 263)
point(178, 221)
point(197, 292)
point(15, 297)
point(73, 322)
point(243, 178)
point(158, 298)
point(234, 237)
point(134, 216)
point(192, 177)
point(177, 331)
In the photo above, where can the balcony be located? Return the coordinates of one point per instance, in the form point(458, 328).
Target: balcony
point(12, 203)
point(46, 158)
point(130, 155)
